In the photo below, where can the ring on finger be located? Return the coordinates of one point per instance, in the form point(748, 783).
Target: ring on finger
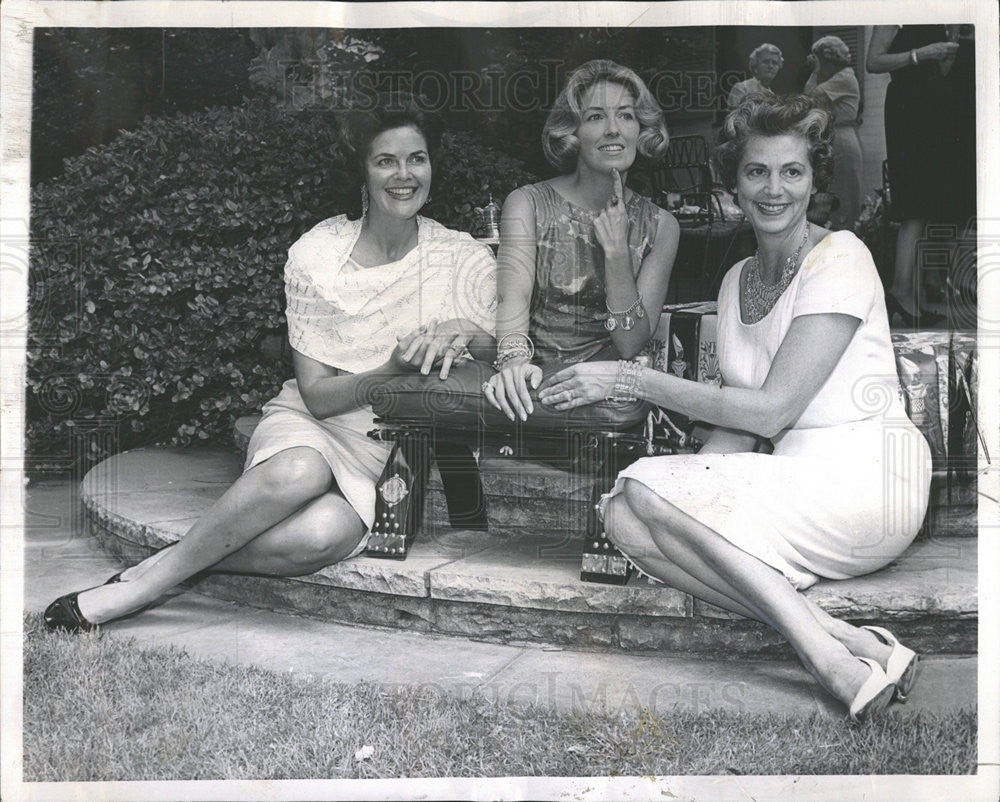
point(486, 385)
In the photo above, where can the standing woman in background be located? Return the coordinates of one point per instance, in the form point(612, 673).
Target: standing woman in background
point(930, 143)
point(765, 63)
point(833, 80)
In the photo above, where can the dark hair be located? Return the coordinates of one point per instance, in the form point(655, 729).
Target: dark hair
point(359, 127)
point(559, 142)
point(768, 115)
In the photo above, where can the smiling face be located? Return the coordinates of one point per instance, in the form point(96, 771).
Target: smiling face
point(774, 183)
point(397, 173)
point(767, 67)
point(608, 129)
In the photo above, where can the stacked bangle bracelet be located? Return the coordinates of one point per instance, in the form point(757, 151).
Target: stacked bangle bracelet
point(624, 318)
point(626, 382)
point(519, 345)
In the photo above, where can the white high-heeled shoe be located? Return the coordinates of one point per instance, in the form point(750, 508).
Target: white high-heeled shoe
point(874, 694)
point(901, 669)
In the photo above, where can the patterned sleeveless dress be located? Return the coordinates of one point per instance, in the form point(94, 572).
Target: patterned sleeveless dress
point(568, 301)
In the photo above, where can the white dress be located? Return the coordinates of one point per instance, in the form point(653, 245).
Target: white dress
point(846, 488)
point(350, 317)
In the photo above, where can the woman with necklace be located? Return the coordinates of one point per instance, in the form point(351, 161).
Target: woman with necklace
point(813, 468)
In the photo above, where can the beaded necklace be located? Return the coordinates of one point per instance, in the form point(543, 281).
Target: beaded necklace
point(759, 298)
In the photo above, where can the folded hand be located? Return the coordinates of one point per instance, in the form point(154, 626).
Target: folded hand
point(579, 385)
point(433, 344)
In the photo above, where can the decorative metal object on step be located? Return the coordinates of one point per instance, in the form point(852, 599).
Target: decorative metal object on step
point(393, 490)
point(400, 498)
point(490, 216)
point(601, 560)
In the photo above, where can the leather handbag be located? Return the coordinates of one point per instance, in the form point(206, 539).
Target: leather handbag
point(458, 402)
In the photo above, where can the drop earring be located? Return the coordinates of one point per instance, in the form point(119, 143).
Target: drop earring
point(364, 200)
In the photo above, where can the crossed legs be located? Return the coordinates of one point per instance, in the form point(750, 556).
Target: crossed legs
point(669, 544)
point(282, 517)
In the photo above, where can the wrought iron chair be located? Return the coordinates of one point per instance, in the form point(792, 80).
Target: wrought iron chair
point(682, 182)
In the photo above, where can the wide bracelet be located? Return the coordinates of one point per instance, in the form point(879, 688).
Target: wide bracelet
point(525, 342)
point(626, 382)
point(507, 356)
point(522, 346)
point(626, 320)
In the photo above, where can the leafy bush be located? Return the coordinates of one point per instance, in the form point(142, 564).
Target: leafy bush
point(91, 82)
point(156, 268)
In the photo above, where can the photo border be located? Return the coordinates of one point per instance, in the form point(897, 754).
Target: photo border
point(20, 18)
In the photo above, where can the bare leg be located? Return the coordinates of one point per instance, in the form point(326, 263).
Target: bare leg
point(323, 532)
point(262, 497)
point(859, 642)
point(905, 281)
point(634, 538)
point(704, 554)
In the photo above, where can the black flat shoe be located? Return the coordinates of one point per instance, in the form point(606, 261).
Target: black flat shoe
point(64, 613)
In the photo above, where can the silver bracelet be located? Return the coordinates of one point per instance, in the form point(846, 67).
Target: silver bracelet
point(626, 387)
point(510, 354)
point(522, 347)
point(526, 342)
point(626, 321)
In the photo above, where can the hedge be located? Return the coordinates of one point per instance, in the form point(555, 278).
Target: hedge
point(156, 268)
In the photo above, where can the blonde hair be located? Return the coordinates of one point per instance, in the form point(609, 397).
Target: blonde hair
point(832, 49)
point(760, 50)
point(559, 141)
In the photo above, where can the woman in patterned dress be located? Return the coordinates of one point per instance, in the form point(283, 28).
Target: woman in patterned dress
point(365, 296)
point(584, 262)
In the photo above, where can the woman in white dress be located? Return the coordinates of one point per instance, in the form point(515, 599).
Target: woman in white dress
point(365, 297)
point(808, 370)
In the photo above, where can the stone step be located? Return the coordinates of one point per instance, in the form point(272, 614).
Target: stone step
point(514, 588)
point(525, 497)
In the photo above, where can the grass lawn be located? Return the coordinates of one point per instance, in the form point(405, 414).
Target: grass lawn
point(99, 708)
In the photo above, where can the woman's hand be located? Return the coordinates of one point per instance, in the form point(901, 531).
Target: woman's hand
point(937, 51)
point(611, 225)
point(508, 389)
point(431, 343)
point(579, 385)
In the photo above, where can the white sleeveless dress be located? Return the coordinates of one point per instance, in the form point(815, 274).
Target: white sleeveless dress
point(846, 488)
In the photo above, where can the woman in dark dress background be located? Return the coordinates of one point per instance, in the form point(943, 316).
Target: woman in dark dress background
point(930, 142)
